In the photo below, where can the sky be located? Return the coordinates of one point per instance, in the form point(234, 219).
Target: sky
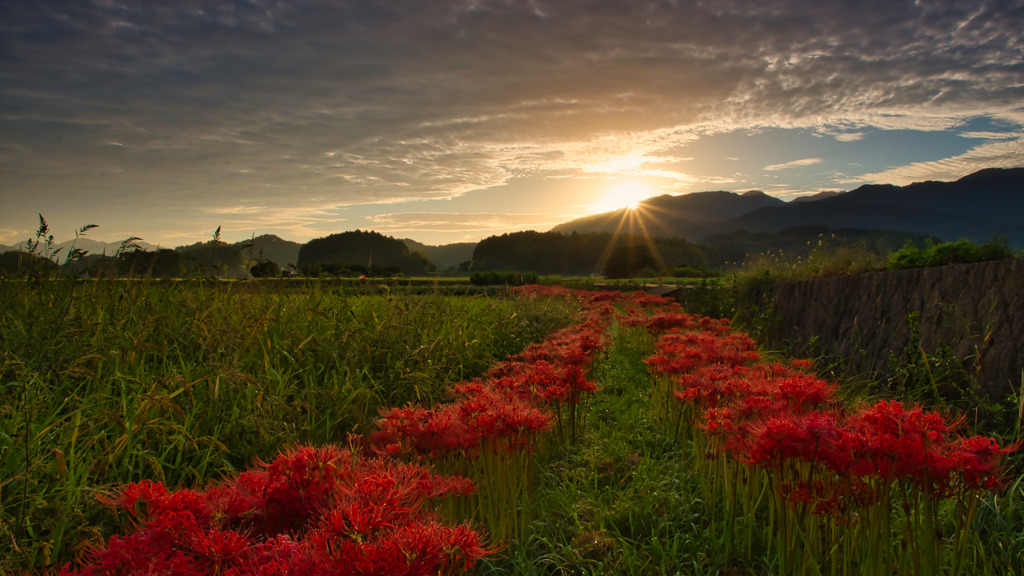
point(453, 120)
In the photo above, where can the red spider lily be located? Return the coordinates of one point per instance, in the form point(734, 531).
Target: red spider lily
point(829, 467)
point(131, 495)
point(900, 444)
point(643, 300)
point(430, 433)
point(323, 510)
point(804, 392)
point(667, 321)
point(491, 413)
point(719, 422)
point(979, 462)
point(335, 506)
point(216, 550)
point(495, 422)
point(682, 352)
point(777, 439)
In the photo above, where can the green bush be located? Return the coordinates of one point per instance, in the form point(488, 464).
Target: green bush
point(692, 272)
point(265, 269)
point(959, 252)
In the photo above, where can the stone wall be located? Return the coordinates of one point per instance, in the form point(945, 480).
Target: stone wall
point(975, 309)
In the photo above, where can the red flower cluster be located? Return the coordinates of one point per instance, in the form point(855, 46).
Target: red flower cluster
point(515, 400)
point(311, 511)
point(325, 510)
point(828, 464)
point(767, 413)
point(491, 429)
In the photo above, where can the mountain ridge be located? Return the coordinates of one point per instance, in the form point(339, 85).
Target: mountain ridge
point(976, 207)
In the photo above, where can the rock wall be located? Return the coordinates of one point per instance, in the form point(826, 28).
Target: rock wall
point(975, 309)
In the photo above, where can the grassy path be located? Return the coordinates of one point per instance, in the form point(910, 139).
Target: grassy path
point(621, 500)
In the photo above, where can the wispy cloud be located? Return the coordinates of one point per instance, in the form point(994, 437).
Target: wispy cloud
point(849, 136)
point(793, 164)
point(313, 106)
point(998, 154)
point(447, 220)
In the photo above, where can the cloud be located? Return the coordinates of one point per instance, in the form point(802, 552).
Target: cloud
point(438, 221)
point(849, 136)
point(11, 236)
point(998, 154)
point(793, 164)
point(303, 108)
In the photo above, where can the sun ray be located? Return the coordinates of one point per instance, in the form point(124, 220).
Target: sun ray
point(622, 194)
point(633, 225)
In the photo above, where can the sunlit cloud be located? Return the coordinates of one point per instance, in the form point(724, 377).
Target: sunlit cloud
point(281, 115)
point(232, 210)
point(850, 136)
point(999, 154)
point(793, 164)
point(461, 226)
point(441, 220)
point(10, 236)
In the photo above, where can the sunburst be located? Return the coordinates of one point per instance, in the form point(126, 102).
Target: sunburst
point(622, 194)
point(634, 227)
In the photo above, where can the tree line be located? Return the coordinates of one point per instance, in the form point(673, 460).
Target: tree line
point(368, 253)
point(355, 253)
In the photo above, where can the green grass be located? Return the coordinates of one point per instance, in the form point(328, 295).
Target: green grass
point(184, 381)
point(107, 382)
point(621, 500)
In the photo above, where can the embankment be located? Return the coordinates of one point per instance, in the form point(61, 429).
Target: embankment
point(977, 310)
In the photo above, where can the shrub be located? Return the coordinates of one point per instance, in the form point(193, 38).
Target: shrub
point(692, 272)
point(265, 269)
point(959, 252)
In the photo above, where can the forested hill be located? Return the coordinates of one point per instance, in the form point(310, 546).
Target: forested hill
point(610, 254)
point(360, 251)
point(574, 254)
point(445, 256)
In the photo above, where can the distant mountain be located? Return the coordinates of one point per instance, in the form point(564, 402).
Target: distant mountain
point(93, 247)
point(993, 194)
point(445, 256)
point(818, 196)
point(689, 216)
point(976, 207)
point(944, 225)
point(270, 247)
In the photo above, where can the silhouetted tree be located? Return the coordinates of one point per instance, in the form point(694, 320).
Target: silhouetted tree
point(162, 263)
point(265, 269)
point(626, 261)
point(16, 263)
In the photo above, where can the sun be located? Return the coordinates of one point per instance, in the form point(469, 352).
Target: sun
point(622, 194)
